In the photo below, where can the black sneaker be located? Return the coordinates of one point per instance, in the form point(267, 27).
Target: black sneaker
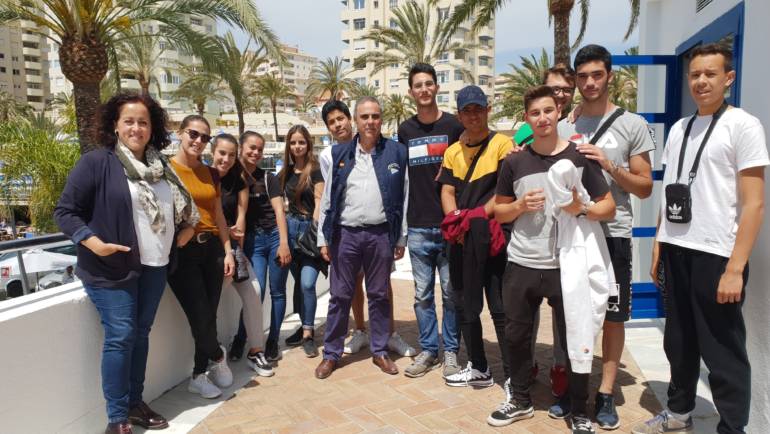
point(581, 424)
point(271, 351)
point(259, 364)
point(309, 346)
point(236, 349)
point(561, 408)
point(606, 415)
point(509, 412)
point(295, 339)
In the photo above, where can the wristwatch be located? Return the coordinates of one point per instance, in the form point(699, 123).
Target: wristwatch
point(584, 209)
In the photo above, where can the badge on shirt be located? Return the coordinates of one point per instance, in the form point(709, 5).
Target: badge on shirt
point(394, 168)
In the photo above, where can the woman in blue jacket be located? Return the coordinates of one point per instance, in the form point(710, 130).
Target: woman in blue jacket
point(121, 206)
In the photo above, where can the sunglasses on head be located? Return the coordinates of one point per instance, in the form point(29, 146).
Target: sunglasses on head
point(195, 134)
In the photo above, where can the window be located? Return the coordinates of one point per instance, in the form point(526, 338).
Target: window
point(443, 58)
point(34, 86)
point(377, 83)
point(361, 81)
point(443, 76)
point(394, 65)
point(359, 4)
point(196, 21)
point(483, 61)
point(376, 4)
point(31, 59)
point(459, 75)
point(359, 23)
point(443, 14)
point(442, 98)
point(376, 24)
point(393, 4)
point(393, 83)
point(2, 56)
point(459, 54)
point(27, 44)
point(393, 24)
point(162, 45)
point(483, 81)
point(359, 45)
point(16, 72)
point(34, 98)
point(3, 70)
point(14, 58)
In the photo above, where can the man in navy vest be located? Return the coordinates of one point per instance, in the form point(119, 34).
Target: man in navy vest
point(362, 226)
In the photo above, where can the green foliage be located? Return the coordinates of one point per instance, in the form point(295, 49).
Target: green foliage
point(67, 120)
point(396, 109)
point(199, 87)
point(624, 84)
point(414, 39)
point(35, 147)
point(273, 89)
point(11, 109)
point(330, 76)
point(521, 78)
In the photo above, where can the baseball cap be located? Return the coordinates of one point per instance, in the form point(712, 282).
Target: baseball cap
point(471, 95)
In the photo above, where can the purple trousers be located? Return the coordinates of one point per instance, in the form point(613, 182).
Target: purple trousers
point(351, 250)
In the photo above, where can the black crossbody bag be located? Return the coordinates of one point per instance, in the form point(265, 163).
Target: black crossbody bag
point(678, 195)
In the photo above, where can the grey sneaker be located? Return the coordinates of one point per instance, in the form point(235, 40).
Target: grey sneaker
point(398, 345)
point(424, 362)
point(663, 423)
point(451, 367)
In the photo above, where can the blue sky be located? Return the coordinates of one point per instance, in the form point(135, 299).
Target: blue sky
point(521, 27)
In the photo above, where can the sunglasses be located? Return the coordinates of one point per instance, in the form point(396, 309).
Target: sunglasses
point(194, 135)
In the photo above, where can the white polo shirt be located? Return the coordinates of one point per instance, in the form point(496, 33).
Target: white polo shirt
point(737, 143)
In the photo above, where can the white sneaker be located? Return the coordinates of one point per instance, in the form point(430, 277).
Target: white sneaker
point(259, 364)
point(220, 373)
point(203, 387)
point(398, 345)
point(470, 376)
point(358, 340)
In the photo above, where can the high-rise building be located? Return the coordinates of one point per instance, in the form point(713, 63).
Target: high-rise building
point(295, 73)
point(167, 72)
point(360, 16)
point(24, 64)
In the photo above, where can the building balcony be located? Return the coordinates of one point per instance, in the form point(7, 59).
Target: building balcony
point(35, 92)
point(38, 66)
point(26, 37)
point(34, 78)
point(27, 51)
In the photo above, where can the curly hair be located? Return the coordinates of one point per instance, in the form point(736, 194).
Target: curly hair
point(109, 113)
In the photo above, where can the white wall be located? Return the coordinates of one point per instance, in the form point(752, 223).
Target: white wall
point(51, 351)
point(664, 25)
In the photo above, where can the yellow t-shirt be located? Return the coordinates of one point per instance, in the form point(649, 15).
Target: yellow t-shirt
point(204, 192)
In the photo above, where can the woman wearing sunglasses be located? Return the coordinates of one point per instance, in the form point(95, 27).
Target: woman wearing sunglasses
point(235, 200)
point(205, 256)
point(266, 242)
point(121, 206)
point(303, 185)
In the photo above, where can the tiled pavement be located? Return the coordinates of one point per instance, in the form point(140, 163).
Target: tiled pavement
point(359, 398)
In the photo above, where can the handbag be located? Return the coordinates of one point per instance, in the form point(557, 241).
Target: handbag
point(307, 243)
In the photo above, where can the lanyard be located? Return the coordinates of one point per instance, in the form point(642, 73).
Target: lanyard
point(710, 129)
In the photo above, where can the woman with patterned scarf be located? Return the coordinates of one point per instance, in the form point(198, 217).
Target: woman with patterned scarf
point(122, 206)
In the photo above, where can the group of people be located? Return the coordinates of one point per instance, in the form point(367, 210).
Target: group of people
point(544, 215)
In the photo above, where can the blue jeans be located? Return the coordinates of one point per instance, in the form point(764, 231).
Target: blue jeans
point(127, 315)
point(303, 270)
point(427, 251)
point(261, 247)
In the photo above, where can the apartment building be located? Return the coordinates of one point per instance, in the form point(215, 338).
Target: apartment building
point(166, 71)
point(295, 73)
point(23, 64)
point(360, 16)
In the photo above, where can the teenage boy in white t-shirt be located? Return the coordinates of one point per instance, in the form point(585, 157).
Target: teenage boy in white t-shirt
point(705, 260)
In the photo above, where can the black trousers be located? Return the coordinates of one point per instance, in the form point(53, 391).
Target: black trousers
point(197, 284)
point(523, 291)
point(473, 275)
point(699, 327)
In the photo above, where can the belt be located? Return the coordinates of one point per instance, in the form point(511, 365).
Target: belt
point(202, 237)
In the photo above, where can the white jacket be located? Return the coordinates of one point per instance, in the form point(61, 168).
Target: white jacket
point(587, 278)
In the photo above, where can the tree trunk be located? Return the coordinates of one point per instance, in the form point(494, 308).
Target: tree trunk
point(241, 121)
point(144, 87)
point(561, 49)
point(201, 108)
point(87, 101)
point(273, 105)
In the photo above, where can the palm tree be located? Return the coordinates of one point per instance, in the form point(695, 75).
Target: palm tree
point(521, 78)
point(362, 90)
point(413, 39)
point(483, 12)
point(138, 57)
point(86, 30)
point(273, 89)
point(10, 108)
point(397, 108)
point(198, 87)
point(237, 69)
point(624, 85)
point(34, 147)
point(307, 104)
point(330, 76)
point(64, 104)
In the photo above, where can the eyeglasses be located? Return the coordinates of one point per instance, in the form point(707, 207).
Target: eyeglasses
point(195, 134)
point(561, 90)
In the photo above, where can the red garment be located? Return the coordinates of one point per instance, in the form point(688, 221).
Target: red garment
point(457, 223)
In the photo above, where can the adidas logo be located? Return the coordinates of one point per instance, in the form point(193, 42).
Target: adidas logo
point(674, 211)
